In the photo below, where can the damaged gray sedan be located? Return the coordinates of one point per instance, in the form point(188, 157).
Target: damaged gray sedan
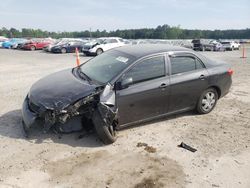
point(124, 86)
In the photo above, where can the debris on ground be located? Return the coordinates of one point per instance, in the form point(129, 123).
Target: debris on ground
point(147, 148)
point(150, 149)
point(187, 147)
point(141, 144)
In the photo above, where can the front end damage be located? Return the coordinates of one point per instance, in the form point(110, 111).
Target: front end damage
point(73, 117)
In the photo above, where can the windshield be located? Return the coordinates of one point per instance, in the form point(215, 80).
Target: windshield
point(106, 66)
point(100, 41)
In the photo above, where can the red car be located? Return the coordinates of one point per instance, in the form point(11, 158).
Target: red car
point(35, 45)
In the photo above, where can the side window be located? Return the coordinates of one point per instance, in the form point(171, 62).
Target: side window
point(182, 64)
point(199, 64)
point(113, 41)
point(147, 70)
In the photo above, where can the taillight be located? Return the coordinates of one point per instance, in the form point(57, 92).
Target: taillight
point(230, 72)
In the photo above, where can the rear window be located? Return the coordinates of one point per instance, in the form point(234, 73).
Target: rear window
point(181, 64)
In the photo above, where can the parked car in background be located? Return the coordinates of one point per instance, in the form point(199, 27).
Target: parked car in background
point(202, 45)
point(62, 41)
point(217, 46)
point(2, 39)
point(19, 44)
point(68, 47)
point(12, 42)
point(231, 45)
point(101, 45)
point(35, 44)
point(124, 86)
point(91, 44)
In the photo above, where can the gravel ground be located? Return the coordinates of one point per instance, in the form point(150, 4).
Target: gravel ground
point(143, 156)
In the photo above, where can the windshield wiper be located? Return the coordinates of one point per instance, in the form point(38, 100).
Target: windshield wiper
point(83, 75)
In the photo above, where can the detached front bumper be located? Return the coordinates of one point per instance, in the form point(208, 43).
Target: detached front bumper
point(29, 118)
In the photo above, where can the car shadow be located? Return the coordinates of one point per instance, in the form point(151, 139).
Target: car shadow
point(11, 126)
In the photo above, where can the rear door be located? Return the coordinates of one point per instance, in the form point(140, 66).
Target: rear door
point(189, 78)
point(147, 96)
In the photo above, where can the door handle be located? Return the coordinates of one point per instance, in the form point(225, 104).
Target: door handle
point(163, 85)
point(202, 77)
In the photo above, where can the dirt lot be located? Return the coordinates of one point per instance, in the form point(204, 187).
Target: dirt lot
point(143, 156)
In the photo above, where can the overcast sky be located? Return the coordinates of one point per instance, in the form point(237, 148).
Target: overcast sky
point(77, 15)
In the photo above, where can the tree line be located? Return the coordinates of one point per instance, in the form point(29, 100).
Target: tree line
point(160, 32)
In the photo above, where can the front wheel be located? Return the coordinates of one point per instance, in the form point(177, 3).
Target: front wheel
point(99, 51)
point(32, 48)
point(207, 101)
point(63, 50)
point(106, 133)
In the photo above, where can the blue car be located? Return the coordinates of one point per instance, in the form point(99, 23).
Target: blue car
point(12, 42)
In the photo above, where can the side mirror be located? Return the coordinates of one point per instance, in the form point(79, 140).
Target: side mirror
point(124, 83)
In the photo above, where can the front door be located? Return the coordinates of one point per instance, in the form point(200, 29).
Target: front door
point(148, 93)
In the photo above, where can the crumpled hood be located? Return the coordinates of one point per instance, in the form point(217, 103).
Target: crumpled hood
point(59, 90)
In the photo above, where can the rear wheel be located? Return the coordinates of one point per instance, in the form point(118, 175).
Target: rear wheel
point(207, 101)
point(106, 133)
point(63, 50)
point(32, 48)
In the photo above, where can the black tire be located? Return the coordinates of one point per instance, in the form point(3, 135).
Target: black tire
point(99, 51)
point(32, 48)
point(203, 106)
point(103, 130)
point(63, 50)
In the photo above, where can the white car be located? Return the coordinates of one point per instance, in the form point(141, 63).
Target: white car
point(231, 45)
point(100, 45)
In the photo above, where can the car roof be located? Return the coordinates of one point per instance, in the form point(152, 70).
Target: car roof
point(142, 50)
point(109, 38)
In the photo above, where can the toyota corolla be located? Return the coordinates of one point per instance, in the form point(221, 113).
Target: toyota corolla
point(126, 86)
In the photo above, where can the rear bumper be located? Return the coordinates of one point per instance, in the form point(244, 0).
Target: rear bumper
point(226, 87)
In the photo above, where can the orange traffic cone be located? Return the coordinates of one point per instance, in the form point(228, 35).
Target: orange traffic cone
point(77, 58)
